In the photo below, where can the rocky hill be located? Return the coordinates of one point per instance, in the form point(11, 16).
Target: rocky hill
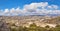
point(11, 21)
point(26, 20)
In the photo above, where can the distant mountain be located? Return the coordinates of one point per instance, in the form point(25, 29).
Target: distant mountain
point(46, 15)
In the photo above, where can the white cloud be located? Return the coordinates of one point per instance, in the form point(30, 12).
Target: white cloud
point(52, 7)
point(36, 5)
point(6, 11)
point(42, 8)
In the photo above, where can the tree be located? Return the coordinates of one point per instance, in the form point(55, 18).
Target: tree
point(57, 28)
point(20, 28)
point(57, 25)
point(47, 26)
point(13, 29)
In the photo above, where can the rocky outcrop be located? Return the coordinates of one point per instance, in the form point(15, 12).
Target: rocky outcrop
point(3, 26)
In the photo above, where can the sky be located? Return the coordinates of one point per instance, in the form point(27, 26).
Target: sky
point(20, 3)
point(29, 7)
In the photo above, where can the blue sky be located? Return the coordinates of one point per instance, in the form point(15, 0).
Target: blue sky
point(29, 7)
point(20, 3)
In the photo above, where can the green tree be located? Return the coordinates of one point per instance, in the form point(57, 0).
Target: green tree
point(13, 29)
point(57, 28)
point(20, 28)
point(47, 26)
